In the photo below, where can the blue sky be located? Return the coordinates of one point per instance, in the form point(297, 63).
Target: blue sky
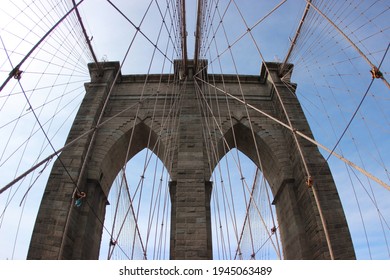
point(331, 78)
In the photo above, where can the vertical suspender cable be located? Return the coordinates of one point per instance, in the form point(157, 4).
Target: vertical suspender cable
point(17, 68)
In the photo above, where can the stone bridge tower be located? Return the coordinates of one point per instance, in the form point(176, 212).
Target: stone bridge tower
point(63, 231)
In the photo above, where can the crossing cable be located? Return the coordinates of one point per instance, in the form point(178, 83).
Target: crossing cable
point(199, 91)
point(294, 40)
point(241, 91)
point(247, 218)
point(135, 121)
point(17, 67)
point(348, 39)
point(221, 21)
point(138, 187)
point(349, 175)
point(213, 155)
point(366, 173)
point(63, 165)
point(138, 29)
point(89, 149)
point(357, 108)
point(71, 143)
point(39, 124)
point(237, 162)
point(351, 120)
point(225, 148)
point(86, 36)
point(202, 101)
point(169, 31)
point(165, 108)
point(32, 30)
point(136, 215)
point(249, 29)
point(143, 173)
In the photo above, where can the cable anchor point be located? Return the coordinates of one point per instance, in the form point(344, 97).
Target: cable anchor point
point(16, 73)
point(309, 182)
point(375, 73)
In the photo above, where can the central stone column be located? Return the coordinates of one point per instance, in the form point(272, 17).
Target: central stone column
point(190, 188)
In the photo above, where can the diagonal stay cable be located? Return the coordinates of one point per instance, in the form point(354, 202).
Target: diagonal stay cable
point(383, 184)
point(348, 39)
point(357, 108)
point(139, 30)
point(17, 67)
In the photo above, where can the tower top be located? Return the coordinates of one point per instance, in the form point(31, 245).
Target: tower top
point(190, 68)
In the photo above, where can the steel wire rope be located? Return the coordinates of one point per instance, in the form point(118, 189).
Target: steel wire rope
point(236, 161)
point(314, 191)
point(360, 211)
point(369, 20)
point(212, 150)
point(138, 29)
point(17, 67)
point(231, 206)
point(81, 70)
point(340, 77)
point(234, 137)
point(382, 218)
point(31, 133)
point(363, 55)
point(165, 159)
point(363, 165)
point(102, 111)
point(221, 21)
point(44, 162)
point(247, 112)
point(357, 108)
point(130, 140)
point(142, 92)
point(304, 136)
point(71, 18)
point(151, 126)
point(55, 152)
point(68, 145)
point(247, 223)
point(139, 183)
point(341, 152)
point(216, 157)
point(138, 187)
point(368, 130)
point(169, 30)
point(241, 90)
point(51, 118)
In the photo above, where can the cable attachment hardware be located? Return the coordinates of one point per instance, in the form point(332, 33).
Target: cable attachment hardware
point(113, 242)
point(309, 182)
point(16, 73)
point(79, 196)
point(375, 73)
point(273, 230)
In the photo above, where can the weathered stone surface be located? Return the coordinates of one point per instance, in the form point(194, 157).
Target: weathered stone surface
point(65, 232)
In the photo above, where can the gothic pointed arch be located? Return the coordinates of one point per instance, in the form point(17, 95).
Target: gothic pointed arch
point(113, 151)
point(262, 147)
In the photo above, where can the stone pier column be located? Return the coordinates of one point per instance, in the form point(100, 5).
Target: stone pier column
point(191, 189)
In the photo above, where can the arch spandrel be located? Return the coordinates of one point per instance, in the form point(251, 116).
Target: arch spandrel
point(272, 154)
point(113, 151)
